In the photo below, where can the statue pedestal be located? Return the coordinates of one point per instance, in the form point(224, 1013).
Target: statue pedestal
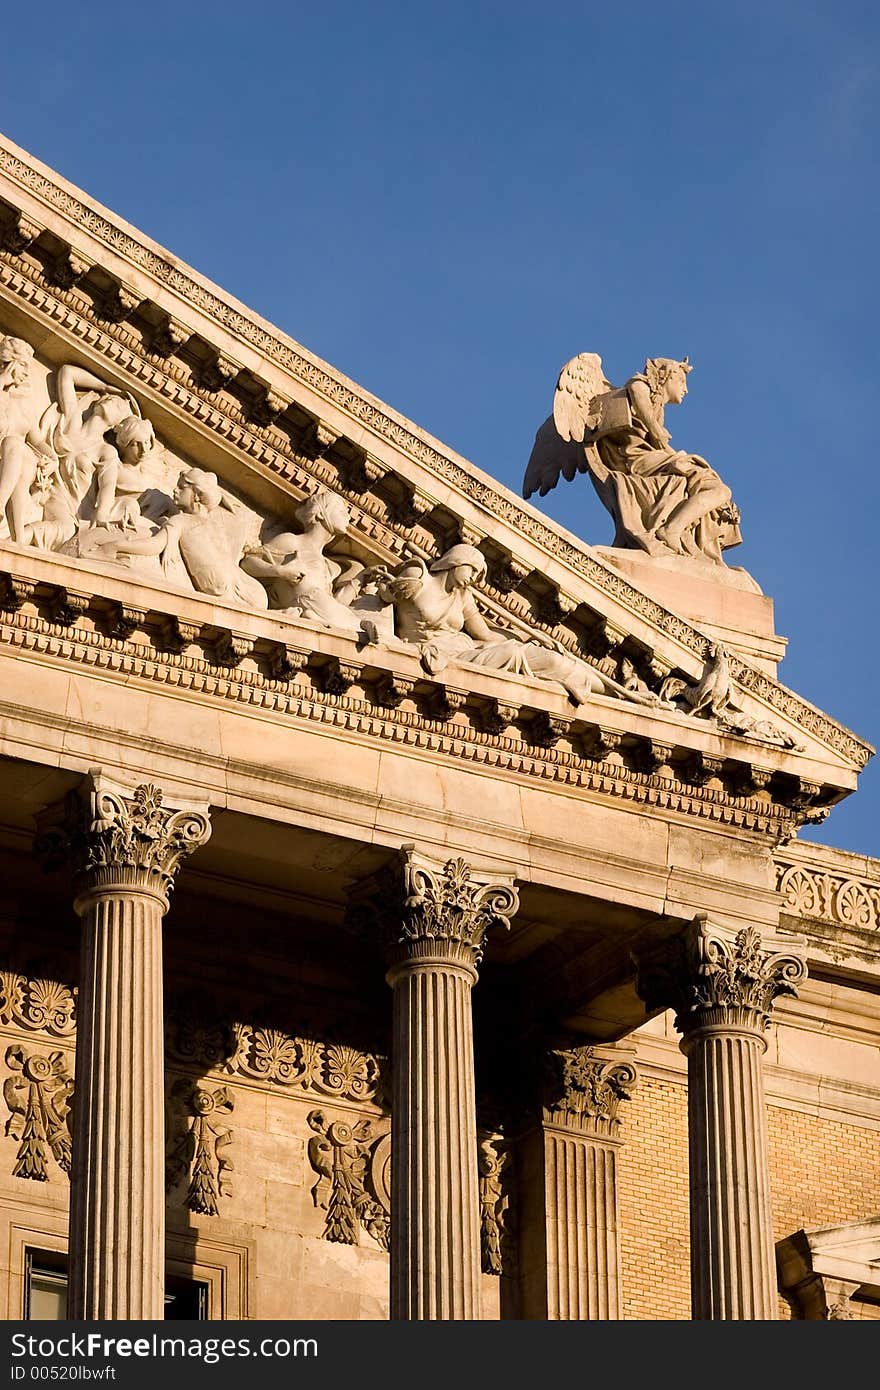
point(724, 602)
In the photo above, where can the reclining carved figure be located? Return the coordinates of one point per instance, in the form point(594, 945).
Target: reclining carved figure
point(435, 609)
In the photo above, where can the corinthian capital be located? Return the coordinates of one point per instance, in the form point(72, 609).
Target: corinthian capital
point(712, 976)
point(423, 909)
point(584, 1086)
point(123, 837)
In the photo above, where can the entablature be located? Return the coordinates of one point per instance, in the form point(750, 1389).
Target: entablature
point(54, 609)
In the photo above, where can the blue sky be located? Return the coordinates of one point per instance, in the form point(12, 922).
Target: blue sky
point(449, 201)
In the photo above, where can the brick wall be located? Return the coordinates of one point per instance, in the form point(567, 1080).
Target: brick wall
point(653, 1193)
point(823, 1172)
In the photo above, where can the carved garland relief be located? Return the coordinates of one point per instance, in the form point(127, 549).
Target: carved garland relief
point(496, 1236)
point(38, 1091)
point(198, 1144)
point(38, 1095)
point(353, 1185)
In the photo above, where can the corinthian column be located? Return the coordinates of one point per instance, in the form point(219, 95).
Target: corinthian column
point(722, 986)
point(124, 848)
point(433, 920)
point(570, 1244)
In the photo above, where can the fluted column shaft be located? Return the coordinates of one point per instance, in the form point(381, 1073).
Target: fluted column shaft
point(733, 1272)
point(583, 1276)
point(124, 848)
point(432, 919)
point(434, 1180)
point(570, 1242)
point(117, 1217)
point(723, 987)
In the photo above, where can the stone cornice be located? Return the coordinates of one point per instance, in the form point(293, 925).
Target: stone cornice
point(323, 679)
point(369, 413)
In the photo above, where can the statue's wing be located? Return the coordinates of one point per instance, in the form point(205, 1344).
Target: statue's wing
point(579, 381)
point(550, 459)
point(405, 582)
point(403, 589)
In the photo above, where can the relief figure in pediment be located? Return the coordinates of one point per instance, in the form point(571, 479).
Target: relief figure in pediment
point(142, 476)
point(664, 501)
point(435, 609)
point(26, 460)
point(200, 544)
point(109, 470)
point(142, 491)
point(303, 581)
point(77, 429)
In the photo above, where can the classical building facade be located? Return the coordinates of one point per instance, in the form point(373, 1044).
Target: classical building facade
point(402, 912)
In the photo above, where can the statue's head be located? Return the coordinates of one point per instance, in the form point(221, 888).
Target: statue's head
point(198, 490)
point(327, 509)
point(667, 379)
point(467, 563)
point(134, 438)
point(15, 363)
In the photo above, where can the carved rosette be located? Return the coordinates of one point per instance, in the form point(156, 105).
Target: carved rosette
point(714, 978)
point(583, 1090)
point(119, 839)
point(848, 902)
point(424, 912)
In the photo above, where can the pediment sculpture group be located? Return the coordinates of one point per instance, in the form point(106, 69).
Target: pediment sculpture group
point(82, 474)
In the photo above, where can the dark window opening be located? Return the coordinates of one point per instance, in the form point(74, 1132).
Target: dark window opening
point(45, 1291)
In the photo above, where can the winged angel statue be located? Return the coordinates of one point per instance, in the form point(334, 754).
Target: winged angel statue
point(663, 500)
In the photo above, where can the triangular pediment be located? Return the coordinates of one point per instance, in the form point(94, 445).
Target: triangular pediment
point(229, 395)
